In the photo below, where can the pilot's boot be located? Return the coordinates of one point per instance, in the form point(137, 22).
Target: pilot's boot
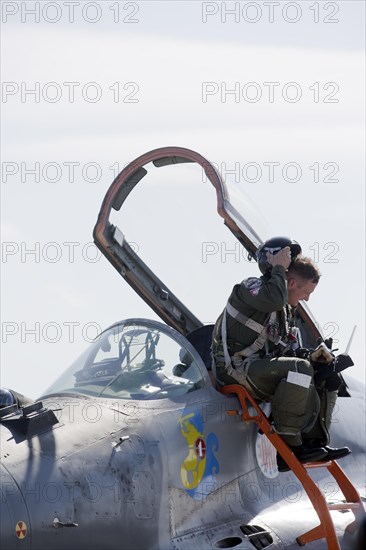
point(303, 454)
point(319, 435)
point(332, 452)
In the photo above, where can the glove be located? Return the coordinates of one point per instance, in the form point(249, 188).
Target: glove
point(321, 356)
point(328, 342)
point(302, 353)
point(326, 371)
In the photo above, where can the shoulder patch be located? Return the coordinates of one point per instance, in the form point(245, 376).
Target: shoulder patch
point(253, 284)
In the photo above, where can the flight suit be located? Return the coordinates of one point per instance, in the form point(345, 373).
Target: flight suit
point(286, 382)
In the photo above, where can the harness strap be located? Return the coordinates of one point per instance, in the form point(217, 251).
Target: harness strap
point(243, 319)
point(224, 341)
point(259, 342)
point(253, 325)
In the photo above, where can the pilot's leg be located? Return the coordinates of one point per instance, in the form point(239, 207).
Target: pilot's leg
point(319, 434)
point(288, 383)
point(320, 430)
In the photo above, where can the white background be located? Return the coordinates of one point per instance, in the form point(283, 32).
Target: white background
point(163, 57)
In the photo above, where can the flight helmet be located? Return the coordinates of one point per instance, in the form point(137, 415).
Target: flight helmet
point(6, 398)
point(274, 245)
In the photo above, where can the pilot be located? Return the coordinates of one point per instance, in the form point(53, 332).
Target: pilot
point(256, 343)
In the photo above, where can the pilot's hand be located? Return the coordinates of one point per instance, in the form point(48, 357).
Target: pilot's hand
point(283, 257)
point(322, 354)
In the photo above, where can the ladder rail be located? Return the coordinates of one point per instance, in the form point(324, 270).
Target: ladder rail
point(326, 527)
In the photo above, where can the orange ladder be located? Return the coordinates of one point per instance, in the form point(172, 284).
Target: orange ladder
point(353, 501)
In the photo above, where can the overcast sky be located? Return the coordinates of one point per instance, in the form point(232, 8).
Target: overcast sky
point(272, 92)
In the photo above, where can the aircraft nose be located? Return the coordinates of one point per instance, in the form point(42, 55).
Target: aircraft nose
point(14, 518)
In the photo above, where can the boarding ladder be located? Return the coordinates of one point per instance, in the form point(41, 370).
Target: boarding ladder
point(353, 501)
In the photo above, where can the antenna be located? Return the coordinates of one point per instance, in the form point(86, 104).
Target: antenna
point(350, 340)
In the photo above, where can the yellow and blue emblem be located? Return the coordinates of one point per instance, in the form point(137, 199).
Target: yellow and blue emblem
point(200, 465)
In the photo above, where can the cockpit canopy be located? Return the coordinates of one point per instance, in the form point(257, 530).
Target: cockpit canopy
point(111, 240)
point(134, 359)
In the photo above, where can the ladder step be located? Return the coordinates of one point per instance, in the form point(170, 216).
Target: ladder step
point(344, 506)
point(319, 464)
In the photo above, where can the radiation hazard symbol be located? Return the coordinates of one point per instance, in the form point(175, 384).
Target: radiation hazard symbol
point(21, 530)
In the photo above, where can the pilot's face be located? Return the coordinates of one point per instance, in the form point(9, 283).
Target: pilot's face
point(299, 289)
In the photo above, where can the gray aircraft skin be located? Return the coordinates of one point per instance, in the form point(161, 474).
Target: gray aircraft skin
point(132, 447)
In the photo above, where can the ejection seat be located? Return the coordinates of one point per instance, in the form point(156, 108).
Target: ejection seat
point(201, 340)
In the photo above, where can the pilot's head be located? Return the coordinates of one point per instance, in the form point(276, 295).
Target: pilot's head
point(302, 278)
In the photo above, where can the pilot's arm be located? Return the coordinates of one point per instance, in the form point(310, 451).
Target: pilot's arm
point(265, 293)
